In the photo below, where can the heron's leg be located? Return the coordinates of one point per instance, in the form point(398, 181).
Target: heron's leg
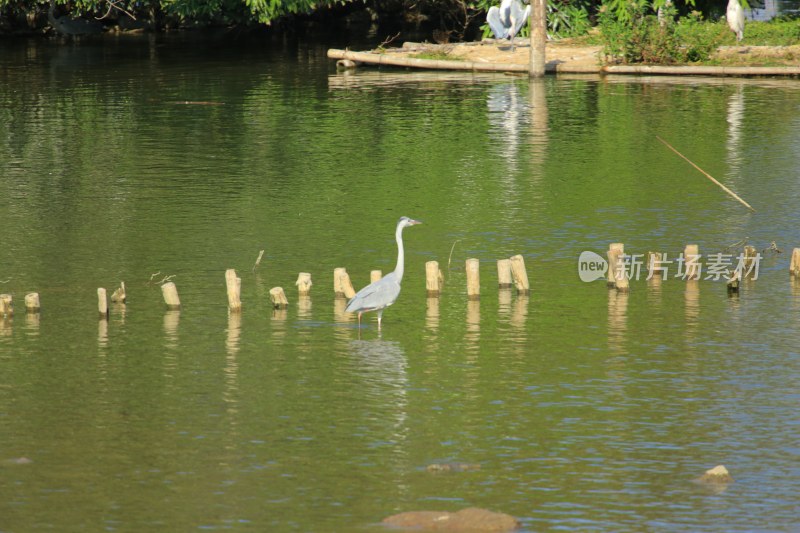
point(359, 318)
point(380, 315)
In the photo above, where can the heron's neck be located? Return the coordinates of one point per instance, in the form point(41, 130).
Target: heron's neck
point(398, 270)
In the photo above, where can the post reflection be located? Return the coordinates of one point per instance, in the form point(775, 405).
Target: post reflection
point(473, 332)
point(102, 334)
point(617, 321)
point(171, 319)
point(692, 308)
point(432, 316)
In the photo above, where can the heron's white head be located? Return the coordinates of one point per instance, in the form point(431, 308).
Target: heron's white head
point(405, 221)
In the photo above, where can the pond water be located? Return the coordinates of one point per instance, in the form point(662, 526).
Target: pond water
point(137, 159)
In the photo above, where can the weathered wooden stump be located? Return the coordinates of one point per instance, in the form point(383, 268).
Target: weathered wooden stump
point(618, 247)
point(504, 274)
point(794, 264)
point(102, 303)
point(654, 264)
point(119, 296)
point(32, 302)
point(375, 275)
point(519, 274)
point(303, 283)
point(170, 293)
point(278, 298)
point(433, 279)
point(6, 305)
point(233, 284)
point(691, 262)
point(342, 286)
point(616, 270)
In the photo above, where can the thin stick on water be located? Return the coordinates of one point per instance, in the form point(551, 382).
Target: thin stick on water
point(258, 261)
point(451, 253)
point(706, 174)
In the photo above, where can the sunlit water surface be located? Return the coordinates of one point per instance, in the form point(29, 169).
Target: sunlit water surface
point(140, 159)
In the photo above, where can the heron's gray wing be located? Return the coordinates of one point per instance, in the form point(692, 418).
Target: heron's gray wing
point(519, 16)
point(496, 24)
point(377, 295)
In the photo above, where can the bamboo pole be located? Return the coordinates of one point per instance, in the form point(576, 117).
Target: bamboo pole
point(278, 298)
point(706, 174)
point(303, 284)
point(504, 274)
point(433, 278)
point(170, 293)
point(6, 305)
point(473, 279)
point(102, 302)
point(794, 265)
point(233, 283)
point(375, 275)
point(32, 302)
point(119, 296)
point(519, 274)
point(342, 286)
point(691, 258)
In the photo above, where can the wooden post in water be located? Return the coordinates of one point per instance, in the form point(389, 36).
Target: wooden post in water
point(615, 267)
point(794, 265)
point(504, 274)
point(733, 281)
point(303, 283)
point(473, 279)
point(610, 274)
point(342, 286)
point(433, 278)
point(750, 254)
point(170, 293)
point(119, 296)
point(6, 305)
point(654, 264)
point(375, 275)
point(691, 261)
point(32, 302)
point(278, 298)
point(233, 284)
point(102, 302)
point(538, 24)
point(519, 274)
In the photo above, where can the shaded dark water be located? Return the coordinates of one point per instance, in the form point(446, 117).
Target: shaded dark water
point(586, 410)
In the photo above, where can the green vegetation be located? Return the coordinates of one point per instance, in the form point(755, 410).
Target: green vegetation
point(438, 56)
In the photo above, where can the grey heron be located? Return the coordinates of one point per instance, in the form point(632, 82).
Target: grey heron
point(507, 20)
point(735, 16)
point(380, 294)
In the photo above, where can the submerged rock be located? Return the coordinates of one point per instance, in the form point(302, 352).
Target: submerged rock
point(471, 519)
point(718, 474)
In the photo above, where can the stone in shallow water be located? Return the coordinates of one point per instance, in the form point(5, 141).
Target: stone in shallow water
point(718, 474)
point(471, 519)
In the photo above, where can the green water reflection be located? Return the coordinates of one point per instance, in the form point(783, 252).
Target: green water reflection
point(585, 409)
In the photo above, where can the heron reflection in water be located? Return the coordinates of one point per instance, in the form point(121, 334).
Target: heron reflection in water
point(380, 294)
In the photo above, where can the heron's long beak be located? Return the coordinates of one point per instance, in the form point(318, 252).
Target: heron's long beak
point(413, 222)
